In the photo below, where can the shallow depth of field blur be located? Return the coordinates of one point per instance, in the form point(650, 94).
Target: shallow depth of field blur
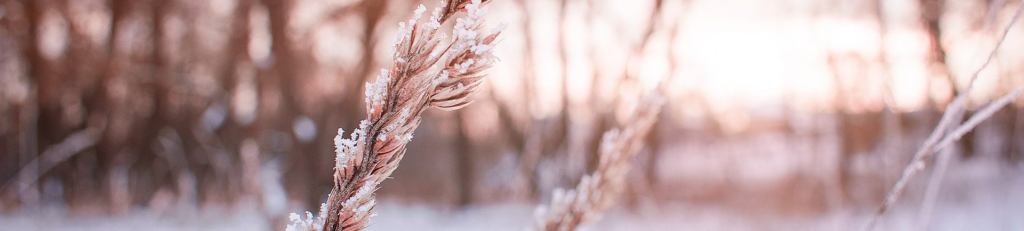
point(780, 114)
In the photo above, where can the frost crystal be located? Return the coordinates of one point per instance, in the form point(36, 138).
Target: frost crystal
point(402, 34)
point(442, 78)
point(344, 147)
point(341, 147)
point(498, 29)
point(363, 192)
point(366, 207)
point(376, 92)
point(435, 17)
point(481, 48)
point(464, 66)
point(419, 12)
point(299, 224)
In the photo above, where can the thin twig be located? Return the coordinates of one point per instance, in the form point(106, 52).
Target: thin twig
point(73, 144)
point(936, 181)
point(931, 194)
point(532, 135)
point(979, 117)
point(938, 138)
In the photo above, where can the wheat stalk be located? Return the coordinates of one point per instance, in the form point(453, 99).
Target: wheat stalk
point(394, 103)
point(598, 190)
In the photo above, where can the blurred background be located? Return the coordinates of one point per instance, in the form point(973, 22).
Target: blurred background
point(781, 115)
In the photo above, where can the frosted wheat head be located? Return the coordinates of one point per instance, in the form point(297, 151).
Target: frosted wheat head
point(423, 74)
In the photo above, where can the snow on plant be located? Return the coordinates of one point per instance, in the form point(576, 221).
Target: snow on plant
point(598, 190)
point(423, 74)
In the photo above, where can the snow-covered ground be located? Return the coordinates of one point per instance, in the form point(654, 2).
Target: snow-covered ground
point(976, 196)
point(59, 219)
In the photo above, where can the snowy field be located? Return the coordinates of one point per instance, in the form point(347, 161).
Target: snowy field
point(976, 196)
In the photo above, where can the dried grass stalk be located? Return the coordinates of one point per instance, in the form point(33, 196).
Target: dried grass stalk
point(598, 191)
point(949, 129)
point(423, 74)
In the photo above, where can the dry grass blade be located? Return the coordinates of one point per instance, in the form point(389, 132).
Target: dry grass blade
point(73, 144)
point(941, 137)
point(598, 191)
point(979, 117)
point(394, 103)
point(956, 133)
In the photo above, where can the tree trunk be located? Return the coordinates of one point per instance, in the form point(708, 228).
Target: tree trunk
point(465, 173)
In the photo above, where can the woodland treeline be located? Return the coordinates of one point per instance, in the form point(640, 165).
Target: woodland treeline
point(122, 103)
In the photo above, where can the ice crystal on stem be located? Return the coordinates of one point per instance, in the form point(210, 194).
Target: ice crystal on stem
point(598, 190)
point(423, 74)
